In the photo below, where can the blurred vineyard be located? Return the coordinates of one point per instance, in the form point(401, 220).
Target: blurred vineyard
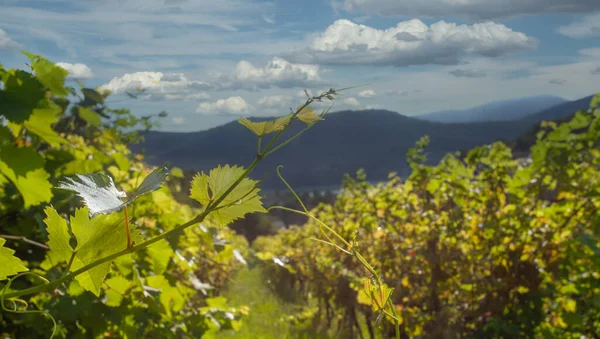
point(483, 245)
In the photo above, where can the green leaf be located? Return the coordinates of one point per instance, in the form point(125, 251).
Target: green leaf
point(50, 75)
point(152, 182)
point(21, 94)
point(98, 192)
point(160, 255)
point(242, 200)
point(23, 166)
point(97, 238)
point(265, 127)
point(117, 288)
point(89, 116)
point(58, 237)
point(92, 95)
point(308, 115)
point(169, 297)
point(122, 161)
point(40, 123)
point(11, 265)
point(176, 172)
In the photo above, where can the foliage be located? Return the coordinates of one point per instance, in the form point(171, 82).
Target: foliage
point(483, 245)
point(125, 265)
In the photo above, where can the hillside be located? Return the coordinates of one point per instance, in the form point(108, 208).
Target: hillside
point(376, 140)
point(503, 110)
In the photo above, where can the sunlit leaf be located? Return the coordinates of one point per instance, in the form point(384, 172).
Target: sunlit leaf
point(23, 166)
point(89, 116)
point(40, 123)
point(266, 127)
point(11, 265)
point(152, 182)
point(58, 237)
point(97, 190)
point(242, 200)
point(308, 115)
point(97, 237)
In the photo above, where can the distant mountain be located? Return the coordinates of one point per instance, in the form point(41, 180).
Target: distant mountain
point(504, 110)
point(561, 111)
point(376, 140)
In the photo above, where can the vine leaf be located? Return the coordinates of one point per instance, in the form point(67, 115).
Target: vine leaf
point(160, 255)
point(308, 115)
point(266, 127)
point(24, 167)
point(59, 237)
point(98, 192)
point(152, 182)
point(98, 237)
point(40, 123)
point(242, 200)
point(170, 297)
point(50, 75)
point(89, 116)
point(11, 265)
point(21, 94)
point(100, 195)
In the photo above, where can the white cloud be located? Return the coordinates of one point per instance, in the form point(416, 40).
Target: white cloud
point(232, 105)
point(468, 73)
point(413, 43)
point(178, 120)
point(77, 71)
point(275, 101)
point(6, 43)
point(369, 93)
point(277, 73)
point(475, 9)
point(351, 101)
point(160, 86)
point(586, 27)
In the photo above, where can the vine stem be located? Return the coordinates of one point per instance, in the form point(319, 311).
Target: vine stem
point(127, 226)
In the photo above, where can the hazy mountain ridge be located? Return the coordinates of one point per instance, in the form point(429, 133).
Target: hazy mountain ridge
point(500, 110)
point(376, 140)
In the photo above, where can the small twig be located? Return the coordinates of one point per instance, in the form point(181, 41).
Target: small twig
point(29, 241)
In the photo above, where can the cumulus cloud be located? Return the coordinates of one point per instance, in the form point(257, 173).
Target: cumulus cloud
point(468, 73)
point(160, 86)
point(345, 43)
point(233, 105)
point(369, 93)
point(557, 81)
point(6, 43)
point(588, 27)
point(351, 101)
point(475, 9)
point(277, 73)
point(77, 71)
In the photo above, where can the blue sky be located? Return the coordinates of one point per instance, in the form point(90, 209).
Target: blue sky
point(208, 62)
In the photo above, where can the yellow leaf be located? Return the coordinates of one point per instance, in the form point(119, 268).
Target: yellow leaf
point(308, 115)
point(405, 282)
